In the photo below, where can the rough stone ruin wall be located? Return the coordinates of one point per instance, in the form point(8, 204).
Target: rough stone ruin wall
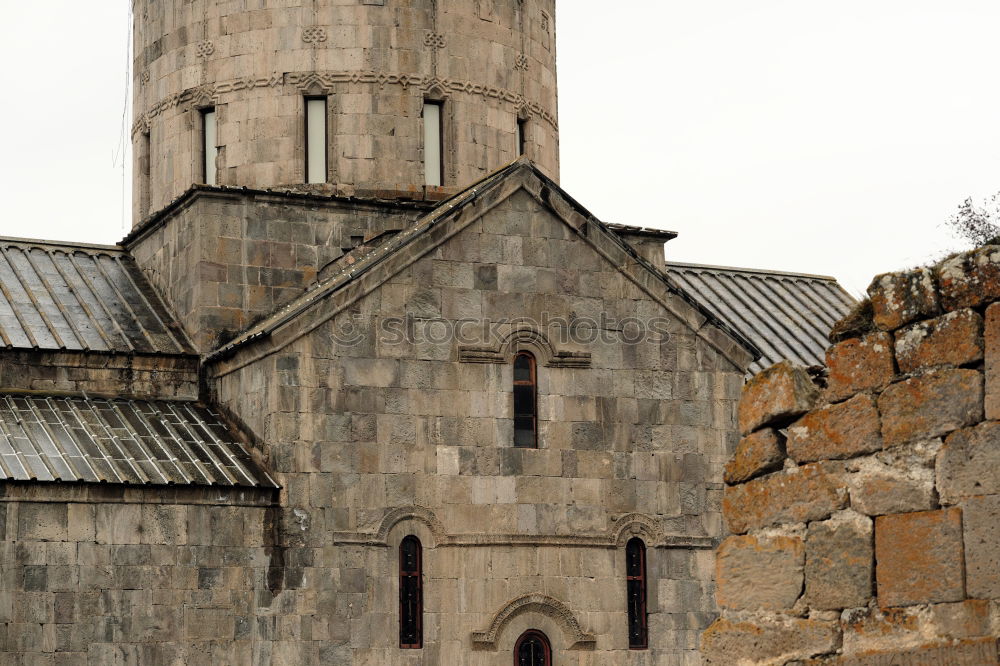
point(864, 500)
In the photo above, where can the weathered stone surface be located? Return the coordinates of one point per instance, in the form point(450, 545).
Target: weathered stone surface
point(776, 396)
point(756, 453)
point(952, 339)
point(919, 558)
point(859, 364)
point(759, 573)
point(964, 619)
point(871, 629)
point(981, 652)
point(969, 463)
point(930, 405)
point(840, 562)
point(899, 480)
point(726, 643)
point(837, 431)
point(875, 631)
point(810, 492)
point(991, 337)
point(899, 298)
point(970, 279)
point(981, 525)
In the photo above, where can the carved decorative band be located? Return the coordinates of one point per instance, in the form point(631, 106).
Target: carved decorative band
point(620, 530)
point(326, 82)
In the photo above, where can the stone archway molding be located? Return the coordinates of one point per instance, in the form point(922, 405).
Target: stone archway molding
point(576, 638)
point(416, 513)
point(636, 525)
point(523, 335)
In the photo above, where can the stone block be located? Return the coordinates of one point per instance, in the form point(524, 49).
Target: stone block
point(896, 481)
point(952, 339)
point(919, 558)
point(810, 492)
point(859, 364)
point(759, 573)
point(991, 336)
point(930, 405)
point(776, 396)
point(767, 641)
point(756, 453)
point(42, 521)
point(981, 525)
point(970, 279)
point(899, 298)
point(841, 430)
point(969, 463)
point(840, 562)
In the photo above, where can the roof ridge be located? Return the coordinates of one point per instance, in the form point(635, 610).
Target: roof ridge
point(760, 271)
point(336, 280)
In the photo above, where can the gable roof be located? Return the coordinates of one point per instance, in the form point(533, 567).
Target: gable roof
point(786, 315)
point(482, 196)
point(79, 297)
point(140, 442)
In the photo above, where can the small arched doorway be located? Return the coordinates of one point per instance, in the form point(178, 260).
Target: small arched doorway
point(532, 649)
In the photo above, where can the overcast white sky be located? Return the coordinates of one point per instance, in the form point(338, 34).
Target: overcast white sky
point(823, 137)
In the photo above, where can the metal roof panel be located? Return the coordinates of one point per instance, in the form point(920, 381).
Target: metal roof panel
point(80, 298)
point(49, 438)
point(786, 315)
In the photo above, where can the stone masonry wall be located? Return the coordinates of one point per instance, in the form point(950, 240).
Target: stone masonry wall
point(224, 258)
point(96, 374)
point(99, 575)
point(373, 438)
point(864, 502)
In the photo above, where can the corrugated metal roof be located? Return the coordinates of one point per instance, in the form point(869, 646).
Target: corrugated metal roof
point(140, 442)
point(786, 315)
point(58, 296)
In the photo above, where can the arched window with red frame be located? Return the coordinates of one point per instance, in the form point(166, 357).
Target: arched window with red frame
point(635, 570)
point(411, 594)
point(533, 649)
point(525, 401)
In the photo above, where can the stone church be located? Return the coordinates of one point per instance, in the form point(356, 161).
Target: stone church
point(363, 385)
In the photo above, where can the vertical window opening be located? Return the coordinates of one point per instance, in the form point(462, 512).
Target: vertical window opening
point(433, 144)
point(525, 401)
point(532, 649)
point(210, 150)
point(316, 140)
point(522, 126)
point(411, 594)
point(635, 563)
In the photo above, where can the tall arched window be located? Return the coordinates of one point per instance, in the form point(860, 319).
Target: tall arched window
point(532, 649)
point(525, 402)
point(635, 570)
point(411, 594)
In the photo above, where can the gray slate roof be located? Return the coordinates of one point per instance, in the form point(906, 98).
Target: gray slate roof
point(139, 442)
point(76, 297)
point(786, 315)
